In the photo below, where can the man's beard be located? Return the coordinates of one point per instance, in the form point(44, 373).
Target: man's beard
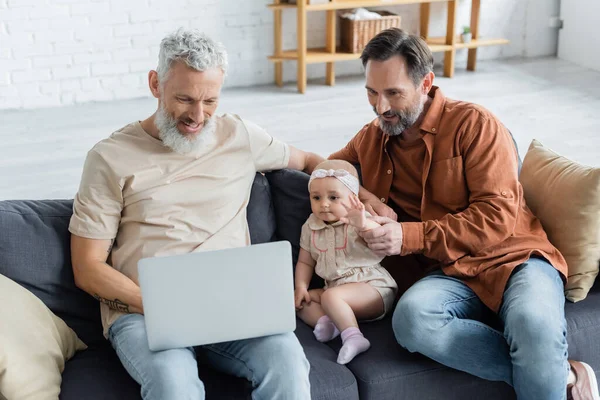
point(177, 141)
point(406, 119)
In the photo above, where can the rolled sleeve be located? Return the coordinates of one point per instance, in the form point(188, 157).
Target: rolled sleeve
point(98, 204)
point(412, 238)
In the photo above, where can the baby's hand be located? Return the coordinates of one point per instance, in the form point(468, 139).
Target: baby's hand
point(301, 295)
point(356, 214)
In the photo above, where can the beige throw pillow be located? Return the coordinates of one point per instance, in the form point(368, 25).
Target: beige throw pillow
point(34, 345)
point(565, 196)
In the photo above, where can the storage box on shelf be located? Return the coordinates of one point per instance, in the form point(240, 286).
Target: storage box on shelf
point(355, 34)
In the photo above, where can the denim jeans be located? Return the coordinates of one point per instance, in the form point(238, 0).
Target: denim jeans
point(275, 365)
point(523, 345)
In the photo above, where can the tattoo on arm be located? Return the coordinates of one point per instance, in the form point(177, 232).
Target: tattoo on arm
point(115, 304)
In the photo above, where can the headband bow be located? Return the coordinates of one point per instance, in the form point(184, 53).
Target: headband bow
point(342, 175)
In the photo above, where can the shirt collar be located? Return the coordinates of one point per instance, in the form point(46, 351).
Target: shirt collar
point(317, 224)
point(431, 122)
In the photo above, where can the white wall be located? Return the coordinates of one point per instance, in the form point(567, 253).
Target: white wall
point(61, 52)
point(540, 38)
point(579, 39)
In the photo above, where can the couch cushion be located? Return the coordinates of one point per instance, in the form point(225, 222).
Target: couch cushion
point(565, 196)
point(261, 214)
point(289, 191)
point(97, 374)
point(328, 379)
point(583, 321)
point(34, 252)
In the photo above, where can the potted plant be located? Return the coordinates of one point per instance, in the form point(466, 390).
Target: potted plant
point(467, 35)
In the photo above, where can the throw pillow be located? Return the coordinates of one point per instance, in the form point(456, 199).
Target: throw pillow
point(34, 345)
point(565, 196)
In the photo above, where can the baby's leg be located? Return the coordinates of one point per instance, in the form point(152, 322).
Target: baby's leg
point(310, 313)
point(344, 304)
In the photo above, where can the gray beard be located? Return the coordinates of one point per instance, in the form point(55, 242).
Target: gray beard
point(406, 119)
point(175, 140)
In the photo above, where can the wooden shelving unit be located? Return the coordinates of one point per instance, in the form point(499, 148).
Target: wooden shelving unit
point(330, 54)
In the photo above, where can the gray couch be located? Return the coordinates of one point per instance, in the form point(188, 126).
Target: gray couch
point(34, 251)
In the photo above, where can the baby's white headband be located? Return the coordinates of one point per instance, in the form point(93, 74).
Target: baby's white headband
point(350, 181)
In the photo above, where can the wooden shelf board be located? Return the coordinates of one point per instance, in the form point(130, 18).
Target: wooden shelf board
point(281, 6)
point(317, 56)
point(322, 55)
point(436, 41)
point(341, 5)
point(437, 48)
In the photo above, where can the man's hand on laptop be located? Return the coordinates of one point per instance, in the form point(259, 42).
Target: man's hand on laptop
point(301, 296)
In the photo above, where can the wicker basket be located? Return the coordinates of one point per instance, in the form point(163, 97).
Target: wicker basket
point(356, 34)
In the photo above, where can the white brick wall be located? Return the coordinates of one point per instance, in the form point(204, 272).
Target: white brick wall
point(60, 52)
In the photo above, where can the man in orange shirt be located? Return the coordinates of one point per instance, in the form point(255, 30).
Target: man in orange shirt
point(449, 170)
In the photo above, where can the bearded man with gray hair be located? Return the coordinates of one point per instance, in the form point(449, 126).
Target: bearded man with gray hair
point(178, 182)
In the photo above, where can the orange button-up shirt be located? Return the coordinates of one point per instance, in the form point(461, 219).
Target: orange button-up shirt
point(473, 216)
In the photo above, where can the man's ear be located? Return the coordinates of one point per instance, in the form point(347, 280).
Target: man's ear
point(154, 84)
point(427, 82)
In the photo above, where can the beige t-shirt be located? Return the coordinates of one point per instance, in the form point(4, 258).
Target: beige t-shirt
point(155, 202)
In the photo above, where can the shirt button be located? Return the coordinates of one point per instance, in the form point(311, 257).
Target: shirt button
point(504, 193)
point(389, 171)
point(383, 199)
point(432, 129)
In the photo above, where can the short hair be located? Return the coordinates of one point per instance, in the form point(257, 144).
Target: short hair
point(338, 164)
point(194, 48)
point(396, 42)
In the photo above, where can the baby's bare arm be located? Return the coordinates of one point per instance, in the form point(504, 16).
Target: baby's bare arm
point(304, 269)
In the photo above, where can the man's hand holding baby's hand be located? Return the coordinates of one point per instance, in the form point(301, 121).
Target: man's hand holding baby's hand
point(385, 240)
point(356, 215)
point(301, 295)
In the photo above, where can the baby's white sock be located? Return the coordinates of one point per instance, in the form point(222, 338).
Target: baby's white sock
point(325, 329)
point(354, 344)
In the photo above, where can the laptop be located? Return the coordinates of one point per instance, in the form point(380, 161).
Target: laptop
point(217, 296)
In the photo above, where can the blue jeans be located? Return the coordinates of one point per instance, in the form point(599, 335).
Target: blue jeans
point(443, 319)
point(275, 365)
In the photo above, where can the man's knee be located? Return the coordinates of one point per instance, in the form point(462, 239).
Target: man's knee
point(415, 320)
point(288, 355)
point(533, 313)
point(535, 328)
point(282, 362)
point(172, 374)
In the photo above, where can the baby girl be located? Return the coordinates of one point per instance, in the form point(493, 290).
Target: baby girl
point(357, 287)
